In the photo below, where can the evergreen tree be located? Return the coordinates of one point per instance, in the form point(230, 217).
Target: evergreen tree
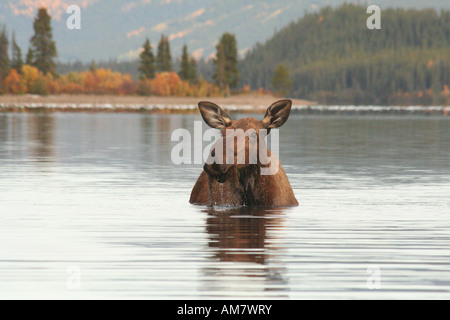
point(168, 56)
point(188, 66)
point(43, 46)
point(29, 57)
point(192, 70)
point(147, 62)
point(163, 56)
point(281, 80)
point(184, 67)
point(4, 57)
point(17, 61)
point(226, 74)
point(219, 61)
point(93, 67)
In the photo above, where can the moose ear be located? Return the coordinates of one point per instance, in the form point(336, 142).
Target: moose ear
point(277, 114)
point(213, 115)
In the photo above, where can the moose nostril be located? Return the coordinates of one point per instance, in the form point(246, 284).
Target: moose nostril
point(216, 170)
point(212, 169)
point(221, 178)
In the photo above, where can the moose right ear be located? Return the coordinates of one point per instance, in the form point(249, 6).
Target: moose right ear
point(277, 114)
point(213, 115)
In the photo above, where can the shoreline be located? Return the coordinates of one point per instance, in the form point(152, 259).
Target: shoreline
point(80, 99)
point(249, 103)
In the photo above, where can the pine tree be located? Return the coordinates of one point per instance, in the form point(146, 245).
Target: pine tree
point(17, 61)
point(4, 57)
point(168, 56)
point(163, 56)
point(43, 46)
point(184, 67)
point(188, 66)
point(93, 67)
point(219, 61)
point(29, 57)
point(147, 62)
point(281, 80)
point(227, 74)
point(192, 70)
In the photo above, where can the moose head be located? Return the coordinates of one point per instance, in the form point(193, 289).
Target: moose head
point(241, 170)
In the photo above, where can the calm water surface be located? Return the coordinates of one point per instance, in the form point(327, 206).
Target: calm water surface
point(91, 206)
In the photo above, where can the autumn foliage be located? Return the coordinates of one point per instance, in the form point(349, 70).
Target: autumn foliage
point(14, 83)
point(169, 84)
point(104, 81)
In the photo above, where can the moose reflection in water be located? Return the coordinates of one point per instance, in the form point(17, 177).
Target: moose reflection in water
point(246, 237)
point(241, 183)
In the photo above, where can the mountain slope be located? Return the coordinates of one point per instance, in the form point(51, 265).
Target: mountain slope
point(334, 58)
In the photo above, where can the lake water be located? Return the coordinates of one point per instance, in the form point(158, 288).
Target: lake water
point(91, 206)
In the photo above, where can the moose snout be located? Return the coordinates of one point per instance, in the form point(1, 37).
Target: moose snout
point(217, 171)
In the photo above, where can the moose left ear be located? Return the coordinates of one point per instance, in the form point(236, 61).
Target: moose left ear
point(277, 114)
point(213, 115)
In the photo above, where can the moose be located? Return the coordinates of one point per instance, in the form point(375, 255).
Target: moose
point(241, 183)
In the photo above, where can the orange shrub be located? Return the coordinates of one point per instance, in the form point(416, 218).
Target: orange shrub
point(71, 83)
point(170, 84)
point(106, 81)
point(14, 84)
point(71, 88)
point(52, 84)
point(90, 82)
point(160, 84)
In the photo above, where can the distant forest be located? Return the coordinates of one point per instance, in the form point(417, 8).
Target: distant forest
point(333, 58)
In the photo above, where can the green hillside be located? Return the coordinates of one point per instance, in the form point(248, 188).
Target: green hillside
point(334, 58)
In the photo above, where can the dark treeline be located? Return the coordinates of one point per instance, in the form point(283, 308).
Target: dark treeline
point(334, 58)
